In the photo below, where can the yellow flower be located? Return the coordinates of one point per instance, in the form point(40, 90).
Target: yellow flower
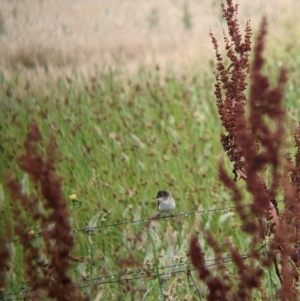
point(72, 197)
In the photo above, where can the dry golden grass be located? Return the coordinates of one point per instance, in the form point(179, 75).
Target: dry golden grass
point(55, 37)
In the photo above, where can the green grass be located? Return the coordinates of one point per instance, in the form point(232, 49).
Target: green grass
point(120, 139)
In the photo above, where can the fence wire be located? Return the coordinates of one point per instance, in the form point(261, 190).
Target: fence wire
point(137, 274)
point(90, 230)
point(186, 268)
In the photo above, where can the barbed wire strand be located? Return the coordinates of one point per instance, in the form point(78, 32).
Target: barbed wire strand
point(244, 256)
point(163, 217)
point(225, 260)
point(89, 230)
point(119, 279)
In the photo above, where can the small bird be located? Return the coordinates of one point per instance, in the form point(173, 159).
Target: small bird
point(165, 201)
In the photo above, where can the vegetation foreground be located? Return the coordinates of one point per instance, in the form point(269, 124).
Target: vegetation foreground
point(96, 152)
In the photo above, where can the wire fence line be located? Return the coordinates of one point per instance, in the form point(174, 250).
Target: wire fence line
point(90, 230)
point(188, 267)
point(119, 278)
point(142, 273)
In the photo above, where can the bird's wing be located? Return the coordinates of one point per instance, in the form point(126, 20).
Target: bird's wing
point(158, 202)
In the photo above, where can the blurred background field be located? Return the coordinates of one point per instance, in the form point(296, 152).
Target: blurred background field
point(126, 88)
point(63, 36)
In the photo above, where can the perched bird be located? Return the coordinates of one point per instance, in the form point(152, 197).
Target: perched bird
point(165, 201)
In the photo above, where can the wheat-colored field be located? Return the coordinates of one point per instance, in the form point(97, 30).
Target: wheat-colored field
point(57, 37)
